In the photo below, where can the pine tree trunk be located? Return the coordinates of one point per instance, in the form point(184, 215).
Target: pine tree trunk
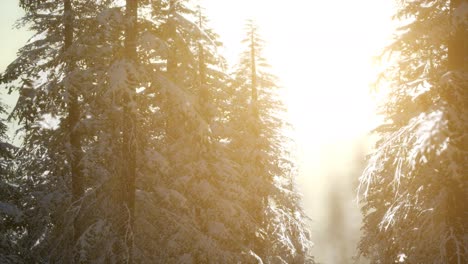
point(456, 208)
point(204, 93)
point(172, 120)
point(254, 73)
point(73, 119)
point(171, 60)
point(457, 48)
point(129, 127)
point(260, 247)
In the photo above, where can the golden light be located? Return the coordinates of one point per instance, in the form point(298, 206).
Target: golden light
point(323, 52)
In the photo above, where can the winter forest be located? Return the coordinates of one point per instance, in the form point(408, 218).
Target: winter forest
point(215, 131)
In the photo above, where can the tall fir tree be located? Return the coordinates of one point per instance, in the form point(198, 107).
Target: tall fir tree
point(199, 174)
point(40, 99)
point(414, 187)
point(261, 148)
point(126, 155)
point(51, 75)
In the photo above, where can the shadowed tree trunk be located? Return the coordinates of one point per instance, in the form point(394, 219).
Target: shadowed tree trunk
point(172, 121)
point(457, 48)
point(204, 93)
point(129, 127)
point(171, 60)
point(73, 118)
point(456, 208)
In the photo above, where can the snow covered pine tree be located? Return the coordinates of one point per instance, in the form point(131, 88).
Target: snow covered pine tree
point(414, 188)
point(125, 155)
point(48, 111)
point(260, 147)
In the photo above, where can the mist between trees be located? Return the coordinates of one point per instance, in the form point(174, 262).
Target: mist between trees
point(140, 145)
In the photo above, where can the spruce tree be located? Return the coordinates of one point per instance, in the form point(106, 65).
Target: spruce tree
point(50, 165)
point(260, 148)
point(198, 181)
point(39, 100)
point(414, 187)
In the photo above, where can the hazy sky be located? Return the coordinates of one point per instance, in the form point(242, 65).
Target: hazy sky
point(321, 50)
point(12, 39)
point(323, 53)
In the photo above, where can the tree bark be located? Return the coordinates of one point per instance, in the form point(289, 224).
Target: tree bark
point(73, 120)
point(456, 207)
point(129, 127)
point(172, 120)
point(457, 48)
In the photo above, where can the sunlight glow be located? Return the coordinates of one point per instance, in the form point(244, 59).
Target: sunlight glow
point(325, 64)
point(323, 53)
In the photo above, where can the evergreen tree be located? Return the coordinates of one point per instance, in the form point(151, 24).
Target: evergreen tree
point(185, 180)
point(36, 158)
point(10, 214)
point(414, 187)
point(48, 73)
point(260, 148)
point(198, 185)
point(126, 156)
